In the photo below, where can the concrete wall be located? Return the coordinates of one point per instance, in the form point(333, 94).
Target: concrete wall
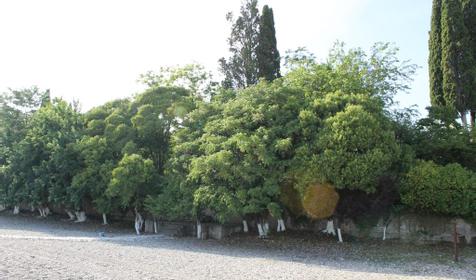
point(414, 228)
point(408, 228)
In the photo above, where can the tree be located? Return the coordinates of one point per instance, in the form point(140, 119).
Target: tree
point(469, 14)
point(241, 69)
point(434, 61)
point(192, 77)
point(131, 182)
point(441, 139)
point(378, 73)
point(44, 162)
point(357, 148)
point(157, 112)
point(457, 59)
point(267, 50)
point(16, 107)
point(447, 190)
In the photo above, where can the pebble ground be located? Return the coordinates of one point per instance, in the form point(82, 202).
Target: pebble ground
point(32, 248)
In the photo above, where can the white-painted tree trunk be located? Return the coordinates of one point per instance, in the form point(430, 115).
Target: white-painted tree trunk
point(330, 228)
point(281, 226)
point(156, 228)
point(266, 229)
point(32, 208)
point(260, 230)
point(104, 219)
point(199, 230)
point(16, 210)
point(339, 235)
point(138, 222)
point(384, 233)
point(40, 209)
point(2, 207)
point(72, 217)
point(245, 226)
point(464, 120)
point(81, 217)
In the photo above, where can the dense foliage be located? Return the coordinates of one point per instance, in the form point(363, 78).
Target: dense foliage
point(448, 190)
point(187, 149)
point(452, 56)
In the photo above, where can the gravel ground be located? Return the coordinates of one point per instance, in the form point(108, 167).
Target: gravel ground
point(32, 248)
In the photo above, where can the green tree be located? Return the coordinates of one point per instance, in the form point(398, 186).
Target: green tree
point(44, 161)
point(436, 74)
point(357, 148)
point(441, 139)
point(469, 14)
point(267, 50)
point(192, 77)
point(457, 59)
point(157, 112)
point(131, 182)
point(378, 73)
point(241, 69)
point(16, 109)
point(448, 190)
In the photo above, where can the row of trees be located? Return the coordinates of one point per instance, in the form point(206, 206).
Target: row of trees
point(323, 139)
point(172, 154)
point(452, 61)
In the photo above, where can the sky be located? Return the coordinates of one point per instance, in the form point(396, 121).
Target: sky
point(93, 51)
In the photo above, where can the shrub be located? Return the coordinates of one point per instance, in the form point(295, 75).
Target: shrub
point(449, 189)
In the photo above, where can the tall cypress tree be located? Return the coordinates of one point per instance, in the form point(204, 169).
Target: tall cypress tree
point(436, 75)
point(241, 69)
point(457, 61)
point(469, 14)
point(267, 52)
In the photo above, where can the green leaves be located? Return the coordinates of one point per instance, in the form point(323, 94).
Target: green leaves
point(357, 149)
point(448, 190)
point(131, 180)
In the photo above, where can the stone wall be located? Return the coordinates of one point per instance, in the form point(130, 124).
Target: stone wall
point(407, 228)
point(414, 228)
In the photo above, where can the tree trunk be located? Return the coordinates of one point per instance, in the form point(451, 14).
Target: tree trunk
point(2, 207)
point(46, 211)
point(266, 228)
point(16, 210)
point(81, 216)
point(339, 235)
point(281, 226)
point(384, 232)
point(260, 231)
point(464, 120)
point(138, 222)
point(473, 119)
point(72, 217)
point(40, 209)
point(245, 226)
point(104, 219)
point(330, 229)
point(156, 228)
point(199, 230)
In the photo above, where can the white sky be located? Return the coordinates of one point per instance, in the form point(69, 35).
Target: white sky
point(93, 51)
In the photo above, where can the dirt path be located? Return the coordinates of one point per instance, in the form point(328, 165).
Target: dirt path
point(31, 248)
